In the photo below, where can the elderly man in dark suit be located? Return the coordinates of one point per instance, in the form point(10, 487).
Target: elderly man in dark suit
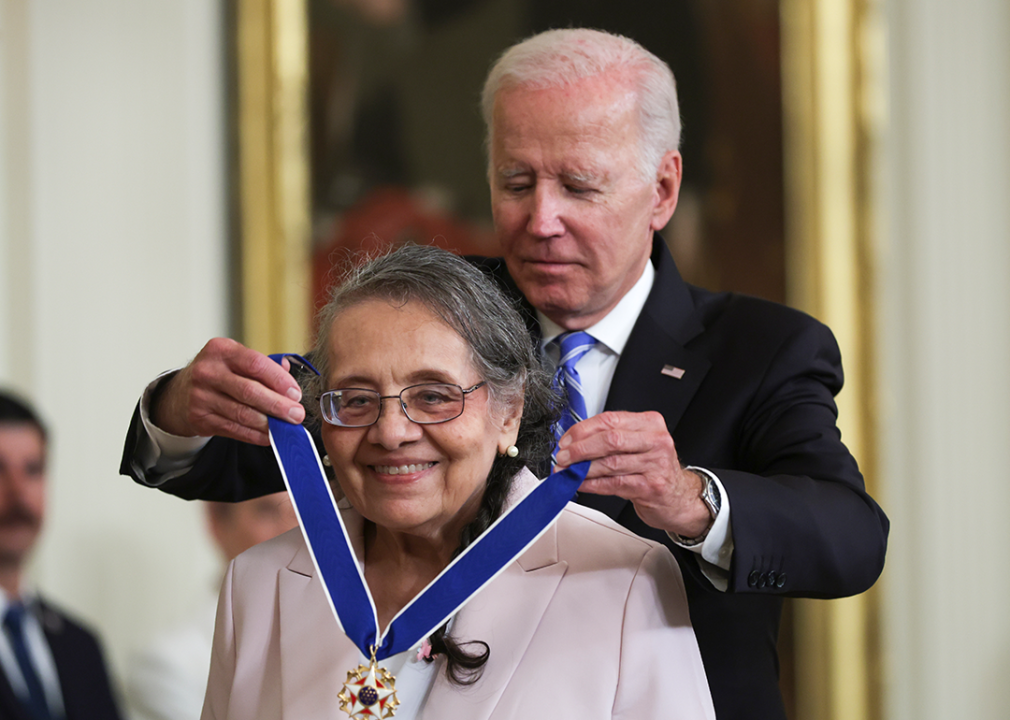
point(709, 418)
point(50, 666)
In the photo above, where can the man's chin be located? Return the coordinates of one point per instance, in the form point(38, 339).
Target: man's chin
point(17, 540)
point(13, 554)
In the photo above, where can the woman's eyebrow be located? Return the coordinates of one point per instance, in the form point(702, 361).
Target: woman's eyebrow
point(418, 376)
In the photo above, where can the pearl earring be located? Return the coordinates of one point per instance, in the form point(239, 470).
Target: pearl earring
point(326, 461)
point(512, 452)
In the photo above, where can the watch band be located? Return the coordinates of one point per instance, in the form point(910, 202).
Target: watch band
point(712, 498)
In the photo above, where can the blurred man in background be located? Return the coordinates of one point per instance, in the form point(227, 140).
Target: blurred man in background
point(51, 667)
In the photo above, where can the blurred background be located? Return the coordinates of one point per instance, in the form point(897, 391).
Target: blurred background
point(171, 170)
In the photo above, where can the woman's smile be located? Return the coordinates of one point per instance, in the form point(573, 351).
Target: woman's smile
point(402, 475)
point(412, 469)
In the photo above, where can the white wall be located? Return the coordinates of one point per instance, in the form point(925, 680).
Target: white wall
point(945, 345)
point(112, 268)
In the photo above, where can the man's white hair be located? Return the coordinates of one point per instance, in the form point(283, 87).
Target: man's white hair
point(556, 58)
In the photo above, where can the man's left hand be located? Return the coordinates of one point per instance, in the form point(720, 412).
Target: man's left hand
point(633, 456)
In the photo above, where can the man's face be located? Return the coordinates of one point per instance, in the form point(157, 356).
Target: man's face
point(238, 526)
point(22, 490)
point(572, 212)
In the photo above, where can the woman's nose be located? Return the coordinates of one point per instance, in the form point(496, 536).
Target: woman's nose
point(393, 428)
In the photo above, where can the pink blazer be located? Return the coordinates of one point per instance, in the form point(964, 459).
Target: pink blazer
point(590, 622)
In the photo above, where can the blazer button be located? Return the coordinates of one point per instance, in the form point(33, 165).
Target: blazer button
point(781, 580)
point(753, 578)
point(763, 581)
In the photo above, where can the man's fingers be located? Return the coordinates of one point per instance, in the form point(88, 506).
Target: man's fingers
point(615, 421)
point(609, 485)
point(251, 402)
point(228, 390)
point(251, 364)
point(617, 466)
point(615, 434)
point(224, 427)
point(227, 369)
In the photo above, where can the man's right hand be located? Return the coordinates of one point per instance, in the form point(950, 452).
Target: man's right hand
point(228, 390)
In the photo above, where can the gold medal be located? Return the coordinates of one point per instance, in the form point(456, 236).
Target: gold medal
point(369, 692)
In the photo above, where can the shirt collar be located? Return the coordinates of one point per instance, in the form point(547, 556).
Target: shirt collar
point(28, 598)
point(615, 327)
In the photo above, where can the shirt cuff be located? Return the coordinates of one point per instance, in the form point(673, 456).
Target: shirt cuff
point(161, 456)
point(716, 551)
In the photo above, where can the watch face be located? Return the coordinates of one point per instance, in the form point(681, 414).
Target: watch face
point(711, 497)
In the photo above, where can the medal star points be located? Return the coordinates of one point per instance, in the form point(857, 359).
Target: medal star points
point(369, 693)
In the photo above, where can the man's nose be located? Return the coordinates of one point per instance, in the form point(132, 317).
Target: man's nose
point(12, 484)
point(545, 214)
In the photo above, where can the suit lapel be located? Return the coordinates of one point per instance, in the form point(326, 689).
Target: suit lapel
point(316, 655)
point(10, 705)
point(657, 343)
point(665, 326)
point(505, 614)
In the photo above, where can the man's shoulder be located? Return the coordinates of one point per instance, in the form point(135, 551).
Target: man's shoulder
point(57, 622)
point(738, 308)
point(745, 320)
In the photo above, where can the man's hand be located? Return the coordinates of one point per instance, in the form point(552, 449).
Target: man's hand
point(228, 390)
point(633, 457)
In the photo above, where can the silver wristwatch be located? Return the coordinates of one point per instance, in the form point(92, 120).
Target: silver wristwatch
point(713, 501)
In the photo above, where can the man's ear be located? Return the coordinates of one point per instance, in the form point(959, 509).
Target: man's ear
point(510, 427)
point(667, 187)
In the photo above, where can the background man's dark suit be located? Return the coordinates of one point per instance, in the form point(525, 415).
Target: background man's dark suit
point(755, 406)
point(80, 665)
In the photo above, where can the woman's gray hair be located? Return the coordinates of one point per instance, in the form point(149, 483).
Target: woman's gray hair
point(502, 353)
point(556, 58)
point(471, 304)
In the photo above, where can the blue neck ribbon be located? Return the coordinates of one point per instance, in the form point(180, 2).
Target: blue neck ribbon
point(343, 577)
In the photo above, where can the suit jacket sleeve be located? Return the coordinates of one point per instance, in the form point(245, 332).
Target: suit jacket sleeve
point(802, 521)
point(225, 470)
point(755, 406)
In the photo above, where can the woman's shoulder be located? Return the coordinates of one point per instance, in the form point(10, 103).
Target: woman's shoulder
point(588, 536)
point(275, 553)
point(581, 528)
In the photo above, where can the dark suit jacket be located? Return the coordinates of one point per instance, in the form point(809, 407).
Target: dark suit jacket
point(755, 406)
point(80, 665)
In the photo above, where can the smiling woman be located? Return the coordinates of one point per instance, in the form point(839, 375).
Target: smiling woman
point(433, 401)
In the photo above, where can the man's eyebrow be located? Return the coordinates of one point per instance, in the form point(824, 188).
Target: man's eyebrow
point(578, 176)
point(587, 177)
point(513, 171)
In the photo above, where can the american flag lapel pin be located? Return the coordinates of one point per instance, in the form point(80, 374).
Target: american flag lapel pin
point(673, 371)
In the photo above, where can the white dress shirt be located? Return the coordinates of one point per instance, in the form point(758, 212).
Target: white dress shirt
point(596, 371)
point(38, 650)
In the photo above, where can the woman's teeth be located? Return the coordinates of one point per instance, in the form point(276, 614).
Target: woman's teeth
point(401, 469)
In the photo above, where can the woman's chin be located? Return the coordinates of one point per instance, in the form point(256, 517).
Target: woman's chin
point(402, 516)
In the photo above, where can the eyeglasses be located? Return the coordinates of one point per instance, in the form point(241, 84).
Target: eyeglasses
point(424, 404)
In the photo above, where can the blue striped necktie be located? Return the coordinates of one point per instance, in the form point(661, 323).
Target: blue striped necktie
point(35, 703)
point(573, 346)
